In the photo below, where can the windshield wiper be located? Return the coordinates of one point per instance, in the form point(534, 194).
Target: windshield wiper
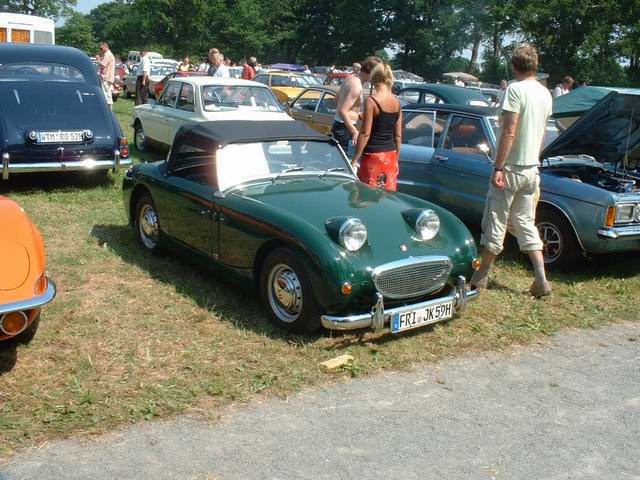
point(287, 170)
point(329, 170)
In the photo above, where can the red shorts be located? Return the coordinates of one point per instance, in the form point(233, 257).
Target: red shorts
point(379, 170)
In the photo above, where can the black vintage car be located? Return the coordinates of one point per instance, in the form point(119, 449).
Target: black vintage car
point(53, 113)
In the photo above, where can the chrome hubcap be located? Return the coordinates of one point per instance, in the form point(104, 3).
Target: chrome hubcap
point(140, 139)
point(285, 293)
point(149, 228)
point(551, 241)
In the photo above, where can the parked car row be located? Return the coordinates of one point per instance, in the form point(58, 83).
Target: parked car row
point(275, 204)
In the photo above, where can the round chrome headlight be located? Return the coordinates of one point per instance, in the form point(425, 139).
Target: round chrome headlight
point(427, 224)
point(352, 234)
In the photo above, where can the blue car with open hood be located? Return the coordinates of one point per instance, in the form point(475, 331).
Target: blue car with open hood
point(590, 174)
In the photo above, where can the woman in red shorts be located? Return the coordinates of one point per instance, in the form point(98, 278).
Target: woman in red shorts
point(381, 133)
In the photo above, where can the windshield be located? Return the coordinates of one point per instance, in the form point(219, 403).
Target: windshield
point(161, 70)
point(216, 98)
point(40, 71)
point(550, 133)
point(313, 80)
point(240, 162)
point(289, 81)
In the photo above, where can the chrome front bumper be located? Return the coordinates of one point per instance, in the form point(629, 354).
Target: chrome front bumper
point(379, 318)
point(88, 164)
point(627, 233)
point(33, 302)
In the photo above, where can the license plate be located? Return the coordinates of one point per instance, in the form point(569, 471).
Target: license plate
point(60, 137)
point(418, 317)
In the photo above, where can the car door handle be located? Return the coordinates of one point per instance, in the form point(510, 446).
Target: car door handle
point(204, 211)
point(441, 158)
point(309, 116)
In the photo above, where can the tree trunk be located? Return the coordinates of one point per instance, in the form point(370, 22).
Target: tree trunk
point(477, 38)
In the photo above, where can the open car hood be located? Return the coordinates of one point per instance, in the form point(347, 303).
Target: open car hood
point(609, 132)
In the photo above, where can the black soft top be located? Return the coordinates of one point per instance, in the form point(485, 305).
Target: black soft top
point(20, 53)
point(224, 132)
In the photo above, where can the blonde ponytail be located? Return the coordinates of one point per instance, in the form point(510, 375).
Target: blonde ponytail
point(382, 74)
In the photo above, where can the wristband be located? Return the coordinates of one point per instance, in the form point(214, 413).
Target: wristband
point(496, 169)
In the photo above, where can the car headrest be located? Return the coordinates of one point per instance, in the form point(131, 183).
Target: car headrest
point(466, 130)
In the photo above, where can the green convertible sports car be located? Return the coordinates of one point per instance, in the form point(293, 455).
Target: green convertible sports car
point(277, 205)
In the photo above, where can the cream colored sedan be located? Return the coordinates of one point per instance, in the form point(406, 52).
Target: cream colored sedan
point(202, 99)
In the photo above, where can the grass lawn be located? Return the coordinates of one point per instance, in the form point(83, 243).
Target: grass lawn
point(131, 337)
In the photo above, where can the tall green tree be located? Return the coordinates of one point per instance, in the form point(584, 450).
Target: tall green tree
point(118, 24)
point(427, 34)
point(41, 8)
point(76, 32)
point(573, 37)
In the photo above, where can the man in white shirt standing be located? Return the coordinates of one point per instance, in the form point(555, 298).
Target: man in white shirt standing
point(107, 64)
point(564, 87)
point(222, 71)
point(515, 183)
point(142, 80)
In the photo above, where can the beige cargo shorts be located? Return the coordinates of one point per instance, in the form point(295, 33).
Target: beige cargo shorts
point(512, 209)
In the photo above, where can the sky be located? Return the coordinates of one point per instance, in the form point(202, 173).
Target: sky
point(85, 6)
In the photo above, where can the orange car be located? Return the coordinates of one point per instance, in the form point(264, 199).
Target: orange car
point(24, 286)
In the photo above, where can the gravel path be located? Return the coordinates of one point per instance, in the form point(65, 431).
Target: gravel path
point(566, 410)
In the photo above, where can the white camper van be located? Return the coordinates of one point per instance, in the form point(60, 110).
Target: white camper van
point(19, 28)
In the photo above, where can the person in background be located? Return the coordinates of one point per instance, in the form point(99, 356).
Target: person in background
point(348, 107)
point(204, 65)
point(458, 82)
point(248, 72)
point(564, 87)
point(142, 79)
point(356, 68)
point(184, 66)
point(212, 65)
point(381, 133)
point(306, 70)
point(222, 71)
point(582, 83)
point(107, 72)
point(515, 183)
point(503, 89)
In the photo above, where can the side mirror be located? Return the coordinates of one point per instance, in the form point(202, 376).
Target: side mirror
point(483, 149)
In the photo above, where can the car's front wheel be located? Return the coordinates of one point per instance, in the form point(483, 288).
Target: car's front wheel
point(139, 138)
point(560, 246)
point(287, 293)
point(147, 224)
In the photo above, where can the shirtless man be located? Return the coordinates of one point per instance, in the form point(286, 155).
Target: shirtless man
point(349, 101)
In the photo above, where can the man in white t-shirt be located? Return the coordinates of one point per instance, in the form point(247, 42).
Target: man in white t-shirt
point(142, 80)
point(564, 87)
point(515, 183)
point(222, 71)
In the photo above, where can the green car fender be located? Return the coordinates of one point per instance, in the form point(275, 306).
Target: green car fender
point(265, 227)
